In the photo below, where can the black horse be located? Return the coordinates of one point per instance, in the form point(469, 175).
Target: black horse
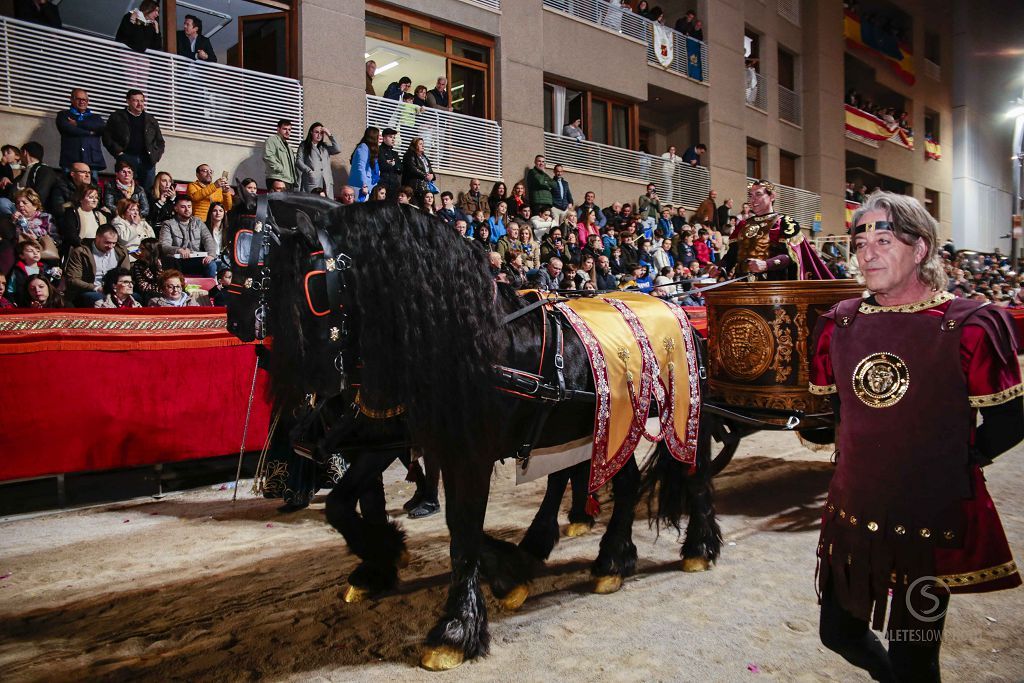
point(390, 299)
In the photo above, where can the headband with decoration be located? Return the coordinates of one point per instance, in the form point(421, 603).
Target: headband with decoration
point(872, 227)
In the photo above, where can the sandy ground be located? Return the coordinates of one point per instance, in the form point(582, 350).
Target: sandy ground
point(193, 587)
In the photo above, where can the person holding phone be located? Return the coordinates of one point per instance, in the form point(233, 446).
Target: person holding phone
point(204, 191)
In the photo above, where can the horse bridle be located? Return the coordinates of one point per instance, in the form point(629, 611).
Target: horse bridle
point(333, 323)
point(256, 274)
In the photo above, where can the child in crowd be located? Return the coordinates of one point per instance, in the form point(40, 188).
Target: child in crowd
point(219, 292)
point(4, 301)
point(29, 256)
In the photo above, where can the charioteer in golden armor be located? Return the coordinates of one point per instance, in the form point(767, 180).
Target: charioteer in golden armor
point(908, 514)
point(771, 243)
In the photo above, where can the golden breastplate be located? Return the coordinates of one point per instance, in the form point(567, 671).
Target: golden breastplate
point(755, 240)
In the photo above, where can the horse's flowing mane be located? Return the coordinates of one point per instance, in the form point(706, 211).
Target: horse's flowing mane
point(425, 322)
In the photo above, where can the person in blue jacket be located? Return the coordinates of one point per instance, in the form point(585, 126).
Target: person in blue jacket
point(365, 173)
point(81, 134)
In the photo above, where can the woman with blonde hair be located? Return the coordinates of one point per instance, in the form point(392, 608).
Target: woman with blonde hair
point(131, 227)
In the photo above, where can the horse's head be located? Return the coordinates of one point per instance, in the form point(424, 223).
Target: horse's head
point(263, 221)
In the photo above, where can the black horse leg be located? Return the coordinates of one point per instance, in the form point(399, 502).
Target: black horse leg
point(461, 632)
point(579, 521)
point(703, 540)
point(542, 536)
point(617, 558)
point(380, 544)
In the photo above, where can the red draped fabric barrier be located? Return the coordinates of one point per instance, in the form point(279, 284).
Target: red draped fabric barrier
point(85, 390)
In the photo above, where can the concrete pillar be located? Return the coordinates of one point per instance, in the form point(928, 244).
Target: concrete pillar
point(722, 120)
point(520, 87)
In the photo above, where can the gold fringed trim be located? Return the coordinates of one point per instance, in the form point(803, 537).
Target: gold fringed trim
point(998, 397)
point(983, 576)
point(940, 298)
point(819, 390)
point(375, 414)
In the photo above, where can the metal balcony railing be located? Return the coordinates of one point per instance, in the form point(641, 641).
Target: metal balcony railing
point(801, 204)
point(755, 90)
point(789, 106)
point(42, 65)
point(455, 143)
point(610, 16)
point(676, 183)
point(790, 10)
point(489, 4)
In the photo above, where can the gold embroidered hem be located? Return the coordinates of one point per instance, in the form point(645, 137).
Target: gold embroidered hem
point(378, 414)
point(998, 397)
point(983, 576)
point(939, 298)
point(819, 390)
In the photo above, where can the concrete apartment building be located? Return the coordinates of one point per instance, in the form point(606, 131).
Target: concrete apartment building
point(518, 70)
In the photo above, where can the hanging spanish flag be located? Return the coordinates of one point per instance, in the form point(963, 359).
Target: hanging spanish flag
point(850, 208)
point(870, 126)
point(932, 150)
point(872, 38)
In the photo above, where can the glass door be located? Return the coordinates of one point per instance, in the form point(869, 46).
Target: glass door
point(468, 90)
point(263, 42)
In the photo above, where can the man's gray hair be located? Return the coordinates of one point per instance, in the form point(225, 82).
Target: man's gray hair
point(910, 222)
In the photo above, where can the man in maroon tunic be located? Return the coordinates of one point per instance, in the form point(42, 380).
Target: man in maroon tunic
point(908, 513)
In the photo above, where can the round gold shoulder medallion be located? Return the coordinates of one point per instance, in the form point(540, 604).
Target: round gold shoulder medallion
point(881, 380)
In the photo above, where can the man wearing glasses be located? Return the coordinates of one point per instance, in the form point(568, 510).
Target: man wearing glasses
point(81, 134)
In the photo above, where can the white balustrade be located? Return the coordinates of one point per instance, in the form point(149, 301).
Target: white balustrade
point(801, 204)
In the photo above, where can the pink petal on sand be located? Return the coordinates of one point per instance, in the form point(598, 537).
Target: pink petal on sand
point(753, 668)
point(126, 521)
point(5, 576)
point(269, 525)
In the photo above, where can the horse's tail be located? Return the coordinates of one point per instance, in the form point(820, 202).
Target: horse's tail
point(667, 486)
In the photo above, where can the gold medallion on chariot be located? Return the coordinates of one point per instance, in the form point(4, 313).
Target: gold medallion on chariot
point(746, 346)
point(881, 379)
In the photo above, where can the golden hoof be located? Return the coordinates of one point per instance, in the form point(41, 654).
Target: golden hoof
point(404, 559)
point(441, 658)
point(577, 529)
point(696, 564)
point(607, 584)
point(354, 594)
point(515, 599)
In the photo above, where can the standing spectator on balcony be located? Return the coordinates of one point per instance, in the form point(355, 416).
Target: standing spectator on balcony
point(131, 227)
point(123, 187)
point(36, 175)
point(561, 194)
point(192, 43)
point(396, 89)
point(389, 163)
point(574, 130)
point(185, 235)
point(643, 8)
point(722, 214)
point(204, 191)
point(81, 133)
point(417, 171)
point(277, 158)
point(41, 12)
point(313, 161)
point(438, 97)
point(364, 167)
point(134, 135)
point(371, 69)
point(88, 264)
point(140, 28)
point(419, 97)
point(692, 155)
point(82, 220)
point(685, 24)
point(499, 193)
point(118, 289)
point(472, 200)
point(540, 185)
point(613, 14)
point(706, 211)
point(161, 199)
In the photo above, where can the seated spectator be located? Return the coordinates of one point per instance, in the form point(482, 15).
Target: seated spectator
point(498, 222)
point(37, 176)
point(449, 213)
point(204, 191)
point(40, 293)
point(551, 275)
point(661, 255)
point(364, 168)
point(192, 44)
point(543, 222)
point(574, 130)
point(123, 187)
point(81, 133)
point(4, 301)
point(83, 219)
point(405, 194)
point(701, 246)
point(425, 203)
point(131, 227)
point(509, 241)
point(585, 273)
point(499, 193)
point(472, 200)
point(514, 268)
point(531, 247)
point(482, 236)
point(348, 194)
point(118, 289)
point(31, 221)
point(29, 263)
point(187, 238)
point(161, 199)
point(518, 199)
point(87, 264)
point(594, 246)
point(693, 154)
point(9, 161)
point(553, 246)
point(604, 278)
point(573, 249)
point(219, 292)
point(140, 28)
point(642, 278)
point(462, 227)
point(172, 291)
point(146, 269)
point(588, 226)
point(665, 223)
point(65, 195)
point(616, 262)
point(589, 202)
point(43, 12)
point(217, 224)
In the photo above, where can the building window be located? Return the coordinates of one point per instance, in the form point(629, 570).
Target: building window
point(787, 69)
point(604, 120)
point(931, 202)
point(424, 49)
point(787, 169)
point(932, 126)
point(755, 150)
point(933, 48)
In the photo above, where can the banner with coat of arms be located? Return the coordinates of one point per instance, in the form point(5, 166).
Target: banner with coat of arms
point(662, 44)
